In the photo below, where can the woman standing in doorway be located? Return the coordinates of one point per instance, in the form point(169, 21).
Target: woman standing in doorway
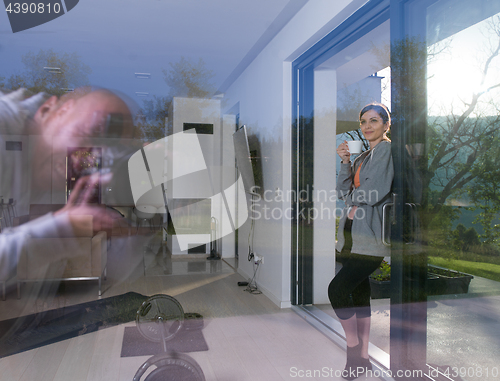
point(365, 186)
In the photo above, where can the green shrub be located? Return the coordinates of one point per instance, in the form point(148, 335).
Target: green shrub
point(383, 272)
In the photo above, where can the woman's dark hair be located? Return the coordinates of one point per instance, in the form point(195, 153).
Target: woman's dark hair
point(380, 109)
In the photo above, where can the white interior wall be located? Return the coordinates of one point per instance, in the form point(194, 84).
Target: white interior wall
point(16, 166)
point(325, 117)
point(207, 111)
point(193, 110)
point(41, 183)
point(227, 161)
point(264, 93)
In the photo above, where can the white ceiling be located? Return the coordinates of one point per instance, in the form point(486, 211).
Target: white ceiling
point(362, 58)
point(118, 38)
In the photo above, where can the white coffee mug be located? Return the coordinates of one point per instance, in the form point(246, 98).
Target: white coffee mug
point(355, 147)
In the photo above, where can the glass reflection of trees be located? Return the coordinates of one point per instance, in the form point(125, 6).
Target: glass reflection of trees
point(185, 78)
point(462, 151)
point(48, 71)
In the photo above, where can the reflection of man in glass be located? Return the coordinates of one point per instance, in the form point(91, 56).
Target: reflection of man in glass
point(52, 125)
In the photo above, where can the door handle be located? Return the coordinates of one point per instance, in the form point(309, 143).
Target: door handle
point(390, 219)
point(385, 218)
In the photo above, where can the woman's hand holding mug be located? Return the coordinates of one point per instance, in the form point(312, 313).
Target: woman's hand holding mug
point(343, 152)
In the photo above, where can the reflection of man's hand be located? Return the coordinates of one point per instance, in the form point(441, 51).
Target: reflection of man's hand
point(78, 203)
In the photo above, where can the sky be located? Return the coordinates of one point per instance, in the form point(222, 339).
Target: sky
point(455, 73)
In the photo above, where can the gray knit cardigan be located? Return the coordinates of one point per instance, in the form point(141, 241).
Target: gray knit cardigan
point(375, 177)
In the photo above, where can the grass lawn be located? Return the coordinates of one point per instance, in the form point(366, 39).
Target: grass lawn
point(482, 269)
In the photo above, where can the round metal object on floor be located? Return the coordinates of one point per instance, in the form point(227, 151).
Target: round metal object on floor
point(159, 318)
point(171, 367)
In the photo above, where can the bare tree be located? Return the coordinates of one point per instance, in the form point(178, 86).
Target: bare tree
point(461, 141)
point(185, 78)
point(190, 79)
point(51, 72)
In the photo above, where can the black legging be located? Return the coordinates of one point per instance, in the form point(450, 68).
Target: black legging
point(349, 292)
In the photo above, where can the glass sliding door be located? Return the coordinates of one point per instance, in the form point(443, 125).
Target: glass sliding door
point(436, 65)
point(446, 93)
point(343, 73)
point(341, 67)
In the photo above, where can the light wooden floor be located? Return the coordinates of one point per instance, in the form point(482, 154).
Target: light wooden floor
point(249, 338)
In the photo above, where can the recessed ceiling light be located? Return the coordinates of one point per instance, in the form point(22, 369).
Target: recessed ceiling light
point(53, 70)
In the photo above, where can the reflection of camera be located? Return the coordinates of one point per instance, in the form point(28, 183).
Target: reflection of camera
point(115, 137)
point(117, 190)
point(114, 126)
